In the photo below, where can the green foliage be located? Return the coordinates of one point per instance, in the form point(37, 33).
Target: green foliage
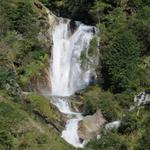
point(93, 47)
point(9, 81)
point(9, 116)
point(121, 61)
point(136, 4)
point(5, 76)
point(129, 123)
point(20, 15)
point(119, 20)
point(31, 69)
point(76, 10)
point(124, 43)
point(116, 21)
point(140, 26)
point(99, 9)
point(130, 138)
point(109, 141)
point(125, 99)
point(4, 24)
point(45, 2)
point(22, 55)
point(42, 105)
point(144, 141)
point(94, 98)
point(20, 130)
point(5, 139)
point(110, 107)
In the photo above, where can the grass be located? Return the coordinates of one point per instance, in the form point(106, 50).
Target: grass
point(33, 68)
point(43, 105)
point(21, 131)
point(94, 98)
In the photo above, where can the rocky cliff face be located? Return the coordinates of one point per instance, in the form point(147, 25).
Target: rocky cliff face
point(47, 20)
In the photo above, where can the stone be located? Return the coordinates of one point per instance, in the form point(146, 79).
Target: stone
point(142, 98)
point(113, 125)
point(47, 21)
point(90, 126)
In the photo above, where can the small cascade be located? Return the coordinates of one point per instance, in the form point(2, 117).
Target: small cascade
point(70, 134)
point(66, 74)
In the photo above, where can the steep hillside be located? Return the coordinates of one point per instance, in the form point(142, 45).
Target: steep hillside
point(28, 120)
point(21, 128)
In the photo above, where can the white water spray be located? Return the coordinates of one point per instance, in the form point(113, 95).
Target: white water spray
point(67, 76)
point(66, 73)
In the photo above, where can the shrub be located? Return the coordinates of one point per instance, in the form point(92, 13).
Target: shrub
point(144, 142)
point(95, 99)
point(140, 26)
point(129, 123)
point(5, 139)
point(121, 61)
point(109, 141)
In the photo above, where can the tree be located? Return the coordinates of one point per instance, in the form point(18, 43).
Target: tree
point(144, 142)
point(141, 28)
point(120, 62)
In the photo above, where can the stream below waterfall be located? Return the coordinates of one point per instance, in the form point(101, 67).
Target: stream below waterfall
point(70, 134)
point(66, 74)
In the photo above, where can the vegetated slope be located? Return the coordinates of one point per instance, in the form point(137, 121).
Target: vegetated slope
point(20, 128)
point(28, 120)
point(123, 72)
point(124, 66)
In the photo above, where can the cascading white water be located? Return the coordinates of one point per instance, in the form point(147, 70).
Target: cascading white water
point(67, 76)
point(66, 73)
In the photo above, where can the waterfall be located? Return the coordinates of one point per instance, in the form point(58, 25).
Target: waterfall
point(67, 75)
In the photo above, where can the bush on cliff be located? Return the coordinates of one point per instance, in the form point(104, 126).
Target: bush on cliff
point(94, 99)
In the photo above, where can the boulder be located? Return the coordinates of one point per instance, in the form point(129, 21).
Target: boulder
point(142, 98)
point(90, 126)
point(113, 125)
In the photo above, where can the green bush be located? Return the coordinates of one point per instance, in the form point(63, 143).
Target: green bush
point(109, 107)
point(129, 123)
point(8, 81)
point(109, 141)
point(5, 139)
point(125, 99)
point(95, 98)
point(144, 142)
point(121, 61)
point(43, 106)
point(140, 26)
